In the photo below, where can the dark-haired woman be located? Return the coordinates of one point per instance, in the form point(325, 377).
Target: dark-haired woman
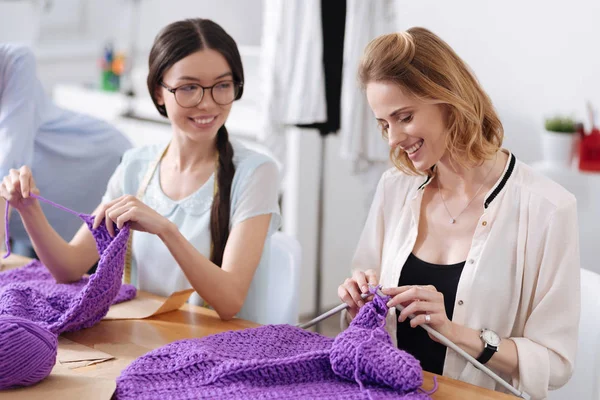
point(203, 209)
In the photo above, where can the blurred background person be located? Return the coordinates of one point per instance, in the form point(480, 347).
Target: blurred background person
point(72, 155)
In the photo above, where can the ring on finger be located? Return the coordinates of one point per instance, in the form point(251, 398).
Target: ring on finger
point(427, 318)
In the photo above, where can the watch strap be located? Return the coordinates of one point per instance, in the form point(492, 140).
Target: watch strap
point(486, 354)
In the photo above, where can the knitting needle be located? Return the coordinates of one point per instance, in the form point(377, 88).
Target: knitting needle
point(443, 339)
point(329, 313)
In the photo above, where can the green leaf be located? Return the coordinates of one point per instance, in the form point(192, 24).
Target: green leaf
point(561, 124)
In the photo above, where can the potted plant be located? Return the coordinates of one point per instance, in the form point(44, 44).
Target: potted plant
point(558, 140)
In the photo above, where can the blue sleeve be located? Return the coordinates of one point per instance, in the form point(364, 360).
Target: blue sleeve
point(18, 119)
point(256, 192)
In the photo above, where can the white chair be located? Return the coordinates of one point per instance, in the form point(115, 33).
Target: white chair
point(273, 295)
point(585, 382)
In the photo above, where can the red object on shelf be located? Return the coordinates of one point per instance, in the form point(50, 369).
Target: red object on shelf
point(589, 151)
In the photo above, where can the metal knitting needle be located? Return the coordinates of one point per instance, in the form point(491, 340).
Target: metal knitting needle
point(329, 313)
point(443, 339)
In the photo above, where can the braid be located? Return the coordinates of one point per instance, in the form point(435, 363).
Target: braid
point(219, 218)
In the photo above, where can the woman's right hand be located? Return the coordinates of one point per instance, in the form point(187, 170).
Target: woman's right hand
point(351, 290)
point(17, 186)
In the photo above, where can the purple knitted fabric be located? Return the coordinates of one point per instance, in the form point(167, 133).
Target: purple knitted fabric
point(52, 300)
point(365, 353)
point(31, 302)
point(279, 362)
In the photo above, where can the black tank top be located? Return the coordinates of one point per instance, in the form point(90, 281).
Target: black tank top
point(416, 341)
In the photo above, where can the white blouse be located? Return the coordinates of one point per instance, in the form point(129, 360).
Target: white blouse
point(521, 277)
point(254, 192)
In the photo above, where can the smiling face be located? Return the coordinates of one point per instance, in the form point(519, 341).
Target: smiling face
point(206, 68)
point(413, 126)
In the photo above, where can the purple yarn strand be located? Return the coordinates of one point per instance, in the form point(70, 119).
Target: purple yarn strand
point(374, 289)
point(432, 391)
point(40, 198)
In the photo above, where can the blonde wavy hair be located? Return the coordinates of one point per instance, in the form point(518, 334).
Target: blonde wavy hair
point(427, 67)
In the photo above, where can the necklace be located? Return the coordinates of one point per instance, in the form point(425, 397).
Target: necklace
point(453, 219)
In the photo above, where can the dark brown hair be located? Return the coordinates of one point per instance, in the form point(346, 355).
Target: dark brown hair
point(173, 43)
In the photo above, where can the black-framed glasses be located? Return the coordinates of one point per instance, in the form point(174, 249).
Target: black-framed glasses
point(191, 94)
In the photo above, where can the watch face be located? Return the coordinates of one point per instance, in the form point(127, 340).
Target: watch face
point(491, 338)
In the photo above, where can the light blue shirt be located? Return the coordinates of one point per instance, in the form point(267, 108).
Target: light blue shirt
point(254, 191)
point(71, 155)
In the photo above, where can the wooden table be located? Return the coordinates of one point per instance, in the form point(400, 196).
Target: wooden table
point(129, 339)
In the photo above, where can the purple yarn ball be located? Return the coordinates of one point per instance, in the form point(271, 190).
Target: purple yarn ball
point(27, 352)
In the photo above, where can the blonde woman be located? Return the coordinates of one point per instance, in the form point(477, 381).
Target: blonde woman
point(464, 235)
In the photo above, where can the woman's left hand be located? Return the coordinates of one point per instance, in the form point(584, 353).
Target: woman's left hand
point(130, 209)
point(426, 303)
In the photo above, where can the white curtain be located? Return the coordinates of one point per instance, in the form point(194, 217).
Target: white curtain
point(291, 71)
point(361, 139)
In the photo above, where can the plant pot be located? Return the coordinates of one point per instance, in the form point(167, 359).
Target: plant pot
point(558, 148)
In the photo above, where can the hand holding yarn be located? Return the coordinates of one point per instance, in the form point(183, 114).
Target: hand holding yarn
point(35, 309)
point(350, 291)
point(426, 303)
point(130, 209)
point(17, 186)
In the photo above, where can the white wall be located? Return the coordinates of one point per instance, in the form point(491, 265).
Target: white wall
point(70, 34)
point(88, 20)
point(534, 58)
point(241, 19)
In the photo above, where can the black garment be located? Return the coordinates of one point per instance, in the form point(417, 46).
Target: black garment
point(416, 341)
point(333, 23)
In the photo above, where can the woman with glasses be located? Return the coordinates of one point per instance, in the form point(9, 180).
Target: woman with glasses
point(202, 208)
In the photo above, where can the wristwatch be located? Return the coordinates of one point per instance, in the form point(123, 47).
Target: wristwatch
point(491, 342)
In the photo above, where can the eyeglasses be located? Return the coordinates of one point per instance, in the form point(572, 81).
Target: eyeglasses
point(191, 94)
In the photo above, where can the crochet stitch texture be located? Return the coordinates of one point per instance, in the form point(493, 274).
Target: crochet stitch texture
point(277, 362)
point(34, 309)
